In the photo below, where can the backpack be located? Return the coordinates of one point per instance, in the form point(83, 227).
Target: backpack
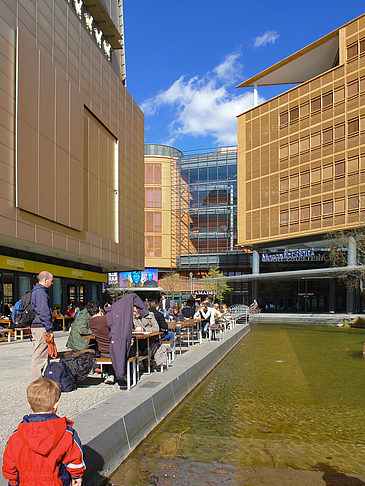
point(58, 372)
point(23, 314)
point(79, 363)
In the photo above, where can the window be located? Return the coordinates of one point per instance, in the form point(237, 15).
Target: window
point(327, 208)
point(294, 215)
point(304, 213)
point(353, 88)
point(362, 46)
point(304, 109)
point(305, 178)
point(316, 176)
point(294, 181)
point(315, 105)
point(284, 216)
point(152, 197)
point(284, 151)
point(339, 131)
point(353, 203)
point(339, 95)
point(315, 140)
point(284, 184)
point(353, 126)
point(153, 222)
point(352, 51)
point(153, 246)
point(328, 172)
point(340, 169)
point(327, 99)
point(339, 205)
point(316, 210)
point(294, 147)
point(152, 173)
point(304, 144)
point(283, 119)
point(353, 165)
point(294, 114)
point(328, 135)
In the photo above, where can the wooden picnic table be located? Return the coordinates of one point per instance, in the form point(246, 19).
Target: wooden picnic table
point(63, 319)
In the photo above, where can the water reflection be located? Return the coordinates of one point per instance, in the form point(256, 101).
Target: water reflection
point(288, 397)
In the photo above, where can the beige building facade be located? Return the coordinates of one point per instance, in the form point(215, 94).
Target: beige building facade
point(301, 155)
point(71, 139)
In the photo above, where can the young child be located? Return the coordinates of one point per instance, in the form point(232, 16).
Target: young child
point(45, 450)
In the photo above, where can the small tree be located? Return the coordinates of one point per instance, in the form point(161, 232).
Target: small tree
point(338, 255)
point(218, 287)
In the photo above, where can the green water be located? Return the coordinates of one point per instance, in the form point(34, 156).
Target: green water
point(287, 397)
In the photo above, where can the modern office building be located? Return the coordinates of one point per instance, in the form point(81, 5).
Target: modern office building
point(191, 217)
point(71, 149)
point(301, 169)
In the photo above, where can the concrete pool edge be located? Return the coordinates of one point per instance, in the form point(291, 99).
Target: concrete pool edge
point(112, 430)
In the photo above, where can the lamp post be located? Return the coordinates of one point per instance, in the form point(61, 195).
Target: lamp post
point(191, 283)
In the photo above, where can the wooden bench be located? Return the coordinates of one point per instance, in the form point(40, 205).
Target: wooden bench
point(216, 331)
point(131, 362)
point(6, 334)
point(21, 332)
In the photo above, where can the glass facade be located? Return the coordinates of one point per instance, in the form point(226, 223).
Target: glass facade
point(206, 194)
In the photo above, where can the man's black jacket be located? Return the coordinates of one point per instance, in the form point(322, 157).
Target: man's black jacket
point(162, 324)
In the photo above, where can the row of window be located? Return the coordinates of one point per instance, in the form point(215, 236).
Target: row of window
point(317, 139)
point(321, 102)
point(153, 222)
point(152, 173)
point(320, 209)
point(319, 174)
point(153, 246)
point(355, 48)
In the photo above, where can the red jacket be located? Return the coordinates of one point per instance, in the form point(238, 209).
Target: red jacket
point(44, 451)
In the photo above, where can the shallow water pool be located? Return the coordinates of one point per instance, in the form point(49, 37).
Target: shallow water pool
point(287, 397)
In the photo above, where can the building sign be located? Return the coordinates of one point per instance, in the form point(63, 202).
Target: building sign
point(138, 278)
point(294, 256)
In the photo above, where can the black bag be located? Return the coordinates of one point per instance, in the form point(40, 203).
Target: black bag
point(24, 315)
point(58, 372)
point(79, 363)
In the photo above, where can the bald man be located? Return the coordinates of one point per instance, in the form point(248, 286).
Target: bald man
point(41, 324)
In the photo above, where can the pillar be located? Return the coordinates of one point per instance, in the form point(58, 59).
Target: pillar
point(351, 260)
point(332, 299)
point(255, 269)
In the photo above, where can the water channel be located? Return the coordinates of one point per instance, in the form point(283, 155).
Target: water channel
point(288, 397)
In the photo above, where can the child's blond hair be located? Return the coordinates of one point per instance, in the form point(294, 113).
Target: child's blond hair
point(43, 394)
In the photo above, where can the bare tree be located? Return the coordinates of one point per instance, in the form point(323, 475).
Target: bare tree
point(338, 255)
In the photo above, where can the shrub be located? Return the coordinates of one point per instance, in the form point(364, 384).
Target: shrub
point(359, 322)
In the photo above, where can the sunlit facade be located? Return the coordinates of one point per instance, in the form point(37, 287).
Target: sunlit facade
point(301, 159)
point(72, 146)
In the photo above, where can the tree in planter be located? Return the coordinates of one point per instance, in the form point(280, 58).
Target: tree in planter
point(338, 255)
point(218, 287)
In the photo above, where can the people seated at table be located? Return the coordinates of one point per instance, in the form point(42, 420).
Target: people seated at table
point(189, 310)
point(99, 327)
point(176, 315)
point(149, 324)
point(218, 313)
point(207, 316)
point(161, 321)
point(76, 312)
point(69, 311)
point(56, 313)
point(225, 309)
point(79, 328)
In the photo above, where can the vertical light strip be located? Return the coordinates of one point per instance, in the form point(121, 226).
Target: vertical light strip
point(116, 191)
point(16, 114)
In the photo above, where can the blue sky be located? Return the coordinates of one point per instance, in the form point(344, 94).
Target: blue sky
point(185, 57)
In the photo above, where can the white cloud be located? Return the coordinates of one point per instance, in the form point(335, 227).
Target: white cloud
point(204, 106)
point(268, 37)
